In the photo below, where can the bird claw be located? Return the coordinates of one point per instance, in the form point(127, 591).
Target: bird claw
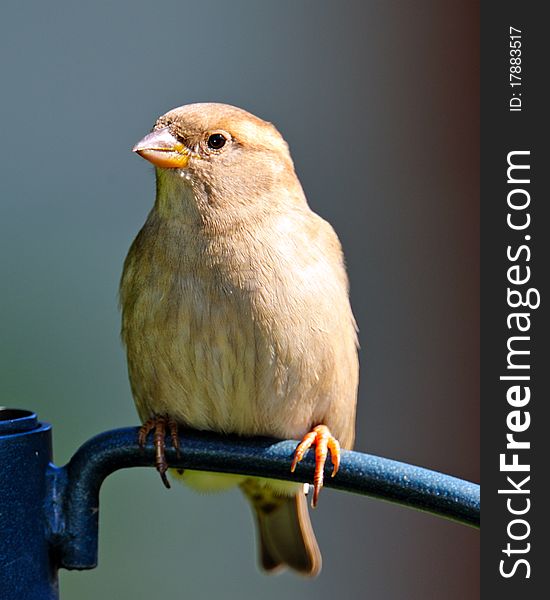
point(324, 441)
point(159, 425)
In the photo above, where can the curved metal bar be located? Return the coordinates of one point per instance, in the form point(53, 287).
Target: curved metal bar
point(75, 487)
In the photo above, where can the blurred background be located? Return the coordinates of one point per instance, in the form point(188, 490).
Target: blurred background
point(379, 102)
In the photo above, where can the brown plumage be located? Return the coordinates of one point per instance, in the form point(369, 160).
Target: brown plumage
point(235, 310)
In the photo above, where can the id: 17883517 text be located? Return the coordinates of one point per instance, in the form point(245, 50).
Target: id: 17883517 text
point(515, 69)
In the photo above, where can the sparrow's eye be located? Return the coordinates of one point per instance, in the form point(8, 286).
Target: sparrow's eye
point(216, 141)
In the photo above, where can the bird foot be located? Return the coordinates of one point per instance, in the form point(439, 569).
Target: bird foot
point(159, 424)
point(324, 441)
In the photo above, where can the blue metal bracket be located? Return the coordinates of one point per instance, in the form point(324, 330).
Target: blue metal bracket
point(27, 568)
point(49, 515)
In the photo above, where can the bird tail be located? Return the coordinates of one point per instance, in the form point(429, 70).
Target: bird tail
point(285, 534)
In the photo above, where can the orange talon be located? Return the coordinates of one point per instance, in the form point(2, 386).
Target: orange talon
point(324, 441)
point(159, 425)
point(144, 432)
point(173, 426)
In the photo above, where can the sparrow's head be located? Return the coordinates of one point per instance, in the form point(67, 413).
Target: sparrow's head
point(221, 151)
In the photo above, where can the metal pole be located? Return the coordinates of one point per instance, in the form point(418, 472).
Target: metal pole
point(49, 514)
point(76, 485)
point(27, 569)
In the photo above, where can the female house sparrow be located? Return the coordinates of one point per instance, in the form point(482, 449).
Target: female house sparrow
point(235, 311)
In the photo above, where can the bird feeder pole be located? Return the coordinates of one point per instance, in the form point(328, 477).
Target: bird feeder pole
point(49, 515)
point(27, 567)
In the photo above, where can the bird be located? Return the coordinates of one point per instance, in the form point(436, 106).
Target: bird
point(236, 315)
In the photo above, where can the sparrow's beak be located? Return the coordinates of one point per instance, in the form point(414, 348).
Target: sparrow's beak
point(162, 149)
